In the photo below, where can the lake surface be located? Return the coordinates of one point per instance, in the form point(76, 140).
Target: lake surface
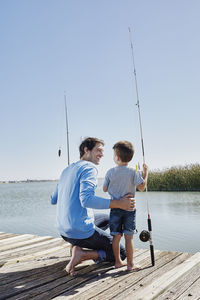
point(25, 208)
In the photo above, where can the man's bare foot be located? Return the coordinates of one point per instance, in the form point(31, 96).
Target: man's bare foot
point(119, 264)
point(133, 268)
point(77, 256)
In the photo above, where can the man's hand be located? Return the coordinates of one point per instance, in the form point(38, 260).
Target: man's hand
point(125, 203)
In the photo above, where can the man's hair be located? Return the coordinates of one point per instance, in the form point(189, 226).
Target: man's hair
point(124, 150)
point(90, 143)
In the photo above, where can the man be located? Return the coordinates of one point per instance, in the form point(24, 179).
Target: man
point(75, 197)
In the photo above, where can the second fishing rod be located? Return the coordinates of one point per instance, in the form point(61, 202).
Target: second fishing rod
point(144, 235)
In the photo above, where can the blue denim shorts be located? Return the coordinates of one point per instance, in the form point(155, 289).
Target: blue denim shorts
point(122, 222)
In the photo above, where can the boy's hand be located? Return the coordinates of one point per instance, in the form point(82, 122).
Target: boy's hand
point(141, 187)
point(145, 169)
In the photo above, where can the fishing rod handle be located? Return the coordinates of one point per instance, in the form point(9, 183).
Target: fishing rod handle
point(149, 224)
point(152, 255)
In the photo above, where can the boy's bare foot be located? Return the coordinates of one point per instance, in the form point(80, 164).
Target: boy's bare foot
point(133, 268)
point(77, 256)
point(119, 264)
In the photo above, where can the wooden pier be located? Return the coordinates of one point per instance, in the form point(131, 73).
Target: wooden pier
point(34, 267)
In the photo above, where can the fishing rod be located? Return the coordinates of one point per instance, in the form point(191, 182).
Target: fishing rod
point(144, 235)
point(67, 130)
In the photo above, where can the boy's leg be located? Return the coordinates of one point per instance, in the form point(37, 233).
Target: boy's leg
point(129, 251)
point(116, 216)
point(129, 229)
point(116, 250)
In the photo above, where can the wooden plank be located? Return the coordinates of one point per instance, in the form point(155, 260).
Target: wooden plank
point(166, 264)
point(97, 283)
point(6, 236)
point(176, 290)
point(9, 255)
point(56, 285)
point(163, 282)
point(33, 245)
point(25, 269)
point(36, 279)
point(193, 292)
point(110, 285)
point(15, 238)
point(34, 255)
point(23, 243)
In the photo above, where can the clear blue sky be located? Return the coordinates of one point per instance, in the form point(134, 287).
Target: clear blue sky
point(49, 46)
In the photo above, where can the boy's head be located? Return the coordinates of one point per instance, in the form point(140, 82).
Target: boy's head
point(124, 151)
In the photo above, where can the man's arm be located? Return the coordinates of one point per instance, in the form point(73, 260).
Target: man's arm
point(125, 203)
point(141, 187)
point(87, 196)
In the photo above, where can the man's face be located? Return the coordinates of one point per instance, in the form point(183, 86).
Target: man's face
point(95, 154)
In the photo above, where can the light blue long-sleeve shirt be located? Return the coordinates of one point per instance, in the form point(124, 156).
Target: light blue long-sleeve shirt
point(75, 198)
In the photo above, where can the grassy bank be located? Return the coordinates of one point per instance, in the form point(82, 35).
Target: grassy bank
point(185, 178)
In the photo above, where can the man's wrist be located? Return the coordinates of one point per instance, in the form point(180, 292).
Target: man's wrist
point(115, 204)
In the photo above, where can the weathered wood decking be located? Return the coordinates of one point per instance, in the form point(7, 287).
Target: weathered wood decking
point(33, 267)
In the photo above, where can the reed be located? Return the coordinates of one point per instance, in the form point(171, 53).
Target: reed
point(178, 178)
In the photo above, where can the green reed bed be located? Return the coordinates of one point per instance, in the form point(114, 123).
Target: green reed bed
point(185, 178)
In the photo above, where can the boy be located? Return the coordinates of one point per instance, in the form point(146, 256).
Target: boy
point(119, 181)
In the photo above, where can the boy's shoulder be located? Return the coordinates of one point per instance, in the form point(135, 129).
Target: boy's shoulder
point(110, 170)
point(117, 169)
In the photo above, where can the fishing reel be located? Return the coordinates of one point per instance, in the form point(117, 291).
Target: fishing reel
point(144, 236)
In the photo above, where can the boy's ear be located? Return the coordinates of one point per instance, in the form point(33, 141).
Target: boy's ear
point(118, 158)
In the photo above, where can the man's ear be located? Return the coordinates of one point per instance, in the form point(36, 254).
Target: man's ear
point(85, 149)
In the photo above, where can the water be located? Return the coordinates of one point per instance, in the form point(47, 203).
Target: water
point(25, 208)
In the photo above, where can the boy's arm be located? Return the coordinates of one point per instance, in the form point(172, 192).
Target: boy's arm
point(141, 187)
point(105, 188)
point(106, 183)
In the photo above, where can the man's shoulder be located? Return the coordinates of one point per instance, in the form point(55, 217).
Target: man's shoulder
point(85, 164)
point(79, 167)
point(86, 167)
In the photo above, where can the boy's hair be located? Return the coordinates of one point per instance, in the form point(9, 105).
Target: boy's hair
point(124, 150)
point(90, 143)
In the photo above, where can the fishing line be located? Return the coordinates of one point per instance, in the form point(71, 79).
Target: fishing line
point(144, 235)
point(67, 131)
point(60, 133)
